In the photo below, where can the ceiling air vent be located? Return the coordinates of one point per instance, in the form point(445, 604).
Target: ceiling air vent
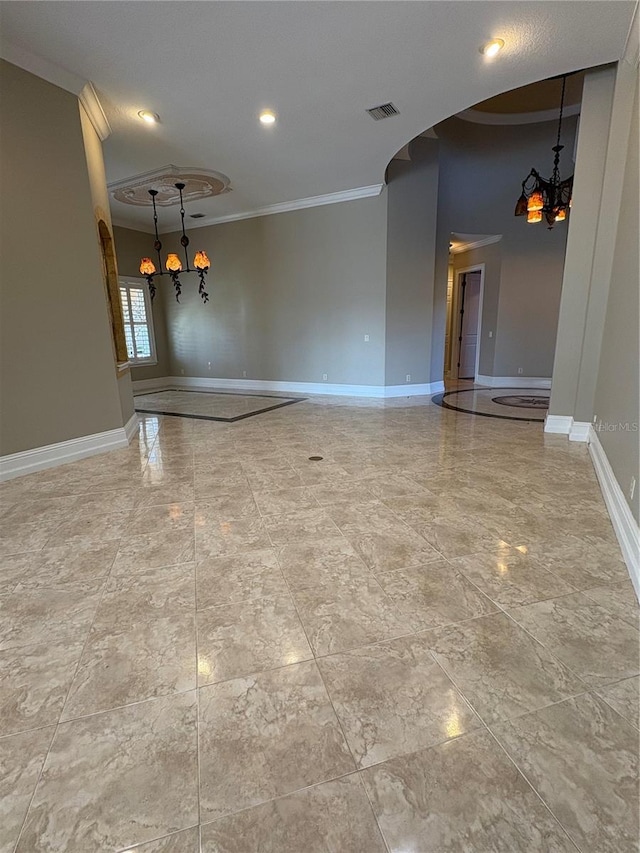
point(383, 111)
point(197, 215)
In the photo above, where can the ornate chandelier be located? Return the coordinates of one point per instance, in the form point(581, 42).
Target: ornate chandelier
point(173, 265)
point(549, 199)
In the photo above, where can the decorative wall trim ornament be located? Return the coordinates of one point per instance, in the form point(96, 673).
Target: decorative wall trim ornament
point(513, 381)
point(476, 244)
point(624, 524)
point(88, 97)
point(28, 461)
point(287, 206)
point(67, 80)
point(198, 183)
point(536, 117)
point(41, 67)
point(340, 390)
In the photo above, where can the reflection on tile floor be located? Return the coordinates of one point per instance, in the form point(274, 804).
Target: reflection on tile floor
point(209, 644)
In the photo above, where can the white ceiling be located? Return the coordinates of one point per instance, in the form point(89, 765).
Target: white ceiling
point(208, 68)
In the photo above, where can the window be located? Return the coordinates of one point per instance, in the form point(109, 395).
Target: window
point(138, 322)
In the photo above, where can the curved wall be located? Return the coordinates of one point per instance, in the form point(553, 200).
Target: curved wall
point(481, 169)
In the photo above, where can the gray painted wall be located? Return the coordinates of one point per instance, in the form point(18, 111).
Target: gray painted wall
point(617, 397)
point(411, 229)
point(130, 247)
point(481, 169)
point(291, 297)
point(595, 119)
point(57, 372)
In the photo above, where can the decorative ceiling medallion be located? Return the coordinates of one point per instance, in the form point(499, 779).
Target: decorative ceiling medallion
point(198, 183)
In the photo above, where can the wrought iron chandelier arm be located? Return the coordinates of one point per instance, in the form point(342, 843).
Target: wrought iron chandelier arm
point(184, 240)
point(547, 198)
point(157, 245)
point(173, 266)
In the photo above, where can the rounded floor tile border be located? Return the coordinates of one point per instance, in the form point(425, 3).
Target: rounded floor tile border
point(440, 400)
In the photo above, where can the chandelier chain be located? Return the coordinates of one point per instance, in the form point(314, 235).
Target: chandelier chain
point(564, 84)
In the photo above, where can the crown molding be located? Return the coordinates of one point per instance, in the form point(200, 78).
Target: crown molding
point(41, 67)
point(91, 103)
point(477, 244)
point(286, 206)
point(479, 117)
point(58, 76)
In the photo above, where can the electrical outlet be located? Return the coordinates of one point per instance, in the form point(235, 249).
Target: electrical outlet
point(209, 365)
point(490, 334)
point(632, 490)
point(366, 337)
point(244, 374)
point(324, 376)
point(408, 377)
point(182, 371)
point(519, 370)
point(595, 419)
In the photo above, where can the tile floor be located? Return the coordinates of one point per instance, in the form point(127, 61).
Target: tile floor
point(426, 642)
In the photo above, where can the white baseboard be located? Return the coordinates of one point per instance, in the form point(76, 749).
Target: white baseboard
point(28, 461)
point(560, 424)
point(513, 381)
point(275, 386)
point(141, 385)
point(565, 425)
point(131, 427)
point(580, 431)
point(624, 524)
point(413, 390)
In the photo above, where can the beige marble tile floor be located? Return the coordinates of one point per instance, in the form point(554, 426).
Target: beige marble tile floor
point(427, 642)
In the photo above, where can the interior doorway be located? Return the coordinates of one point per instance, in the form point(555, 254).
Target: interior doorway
point(468, 318)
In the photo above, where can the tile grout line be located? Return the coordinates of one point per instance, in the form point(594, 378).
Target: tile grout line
point(528, 781)
point(140, 844)
point(337, 716)
point(57, 724)
point(197, 680)
point(485, 725)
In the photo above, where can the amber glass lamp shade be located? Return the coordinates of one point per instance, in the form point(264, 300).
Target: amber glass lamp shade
point(147, 267)
point(174, 264)
point(201, 261)
point(536, 202)
point(534, 216)
point(561, 214)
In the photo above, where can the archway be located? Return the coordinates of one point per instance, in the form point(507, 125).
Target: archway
point(113, 292)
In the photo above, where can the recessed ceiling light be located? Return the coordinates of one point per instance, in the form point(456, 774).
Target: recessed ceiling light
point(267, 117)
point(149, 117)
point(492, 48)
